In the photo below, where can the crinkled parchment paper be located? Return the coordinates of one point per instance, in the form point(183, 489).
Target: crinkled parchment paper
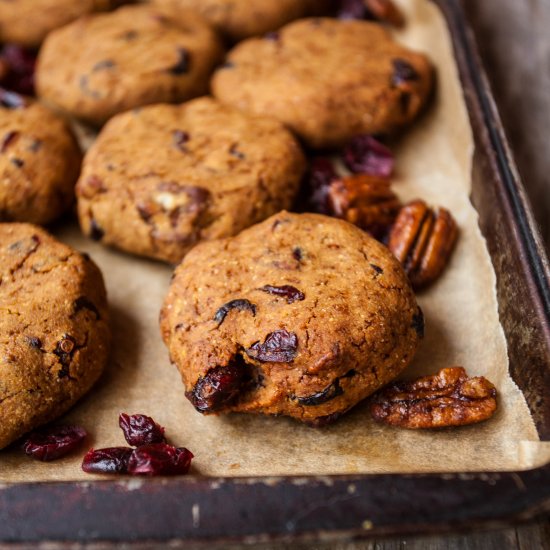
point(462, 328)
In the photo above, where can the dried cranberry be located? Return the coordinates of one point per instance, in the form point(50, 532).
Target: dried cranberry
point(8, 139)
point(354, 9)
point(140, 429)
point(239, 304)
point(403, 71)
point(292, 294)
point(180, 138)
point(159, 459)
point(96, 231)
point(220, 386)
point(279, 347)
point(330, 392)
point(53, 442)
point(20, 74)
point(366, 155)
point(112, 460)
point(321, 174)
point(182, 66)
point(84, 303)
point(418, 323)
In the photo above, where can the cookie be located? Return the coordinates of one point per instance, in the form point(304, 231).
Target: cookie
point(103, 64)
point(238, 19)
point(54, 328)
point(27, 22)
point(302, 315)
point(328, 80)
point(163, 178)
point(39, 162)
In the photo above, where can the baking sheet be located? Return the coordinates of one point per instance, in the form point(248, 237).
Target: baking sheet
point(462, 328)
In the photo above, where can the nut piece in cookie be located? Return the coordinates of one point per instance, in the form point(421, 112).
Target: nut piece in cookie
point(54, 323)
point(423, 239)
point(448, 398)
point(204, 171)
point(328, 80)
point(136, 55)
point(39, 161)
point(301, 315)
point(239, 19)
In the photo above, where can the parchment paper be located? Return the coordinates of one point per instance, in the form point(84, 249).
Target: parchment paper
point(462, 328)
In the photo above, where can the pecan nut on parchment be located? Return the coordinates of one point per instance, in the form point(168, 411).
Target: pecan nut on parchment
point(422, 239)
point(448, 398)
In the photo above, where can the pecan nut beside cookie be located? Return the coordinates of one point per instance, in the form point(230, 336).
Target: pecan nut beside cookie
point(448, 398)
point(422, 239)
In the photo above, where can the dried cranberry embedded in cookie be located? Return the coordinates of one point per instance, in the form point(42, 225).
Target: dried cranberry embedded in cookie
point(53, 442)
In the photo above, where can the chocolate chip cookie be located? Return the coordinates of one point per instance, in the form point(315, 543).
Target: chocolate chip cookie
point(27, 22)
point(163, 178)
point(328, 80)
point(54, 328)
point(238, 19)
point(103, 64)
point(39, 161)
point(302, 315)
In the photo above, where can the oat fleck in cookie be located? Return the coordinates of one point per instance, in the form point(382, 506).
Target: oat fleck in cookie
point(163, 178)
point(301, 315)
point(39, 161)
point(103, 64)
point(54, 328)
point(328, 80)
point(27, 22)
point(238, 19)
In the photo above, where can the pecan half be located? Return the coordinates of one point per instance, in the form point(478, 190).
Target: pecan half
point(448, 398)
point(422, 239)
point(386, 11)
point(364, 200)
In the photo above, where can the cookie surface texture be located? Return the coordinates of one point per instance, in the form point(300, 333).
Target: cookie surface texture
point(27, 22)
point(39, 163)
point(238, 19)
point(163, 178)
point(133, 56)
point(301, 315)
point(54, 332)
point(327, 80)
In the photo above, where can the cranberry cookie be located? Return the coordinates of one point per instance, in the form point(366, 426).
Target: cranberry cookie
point(54, 328)
point(39, 161)
point(238, 19)
point(301, 315)
point(102, 64)
point(27, 22)
point(163, 178)
point(328, 80)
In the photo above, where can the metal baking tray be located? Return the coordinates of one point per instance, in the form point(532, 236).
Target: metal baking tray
point(345, 507)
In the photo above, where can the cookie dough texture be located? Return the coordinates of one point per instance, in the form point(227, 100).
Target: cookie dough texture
point(328, 80)
point(27, 22)
point(352, 318)
point(163, 178)
point(39, 164)
point(103, 64)
point(54, 333)
point(238, 19)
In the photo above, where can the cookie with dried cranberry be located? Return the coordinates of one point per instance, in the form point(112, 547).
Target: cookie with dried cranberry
point(163, 178)
point(54, 328)
point(301, 315)
point(27, 22)
point(103, 64)
point(327, 80)
point(239, 19)
point(39, 161)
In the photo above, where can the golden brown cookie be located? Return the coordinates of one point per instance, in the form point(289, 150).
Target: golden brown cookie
point(238, 19)
point(103, 64)
point(39, 162)
point(54, 328)
point(302, 315)
point(328, 80)
point(27, 22)
point(160, 179)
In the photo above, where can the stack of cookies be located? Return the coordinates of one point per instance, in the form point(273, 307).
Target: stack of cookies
point(273, 312)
